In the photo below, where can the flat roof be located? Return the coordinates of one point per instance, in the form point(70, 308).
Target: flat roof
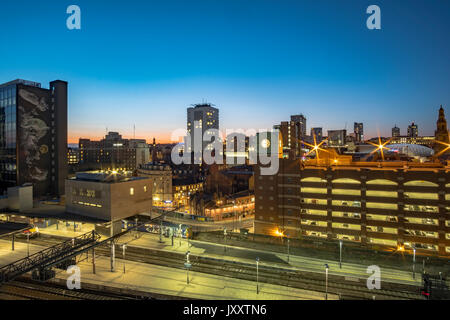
point(55, 211)
point(105, 177)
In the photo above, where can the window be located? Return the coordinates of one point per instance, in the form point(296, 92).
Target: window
point(145, 188)
point(131, 191)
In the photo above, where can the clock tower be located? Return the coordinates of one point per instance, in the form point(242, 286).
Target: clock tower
point(441, 133)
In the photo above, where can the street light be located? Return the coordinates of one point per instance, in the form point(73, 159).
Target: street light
point(257, 275)
point(28, 244)
point(225, 238)
point(414, 263)
point(160, 232)
point(123, 253)
point(326, 281)
point(288, 250)
point(340, 254)
point(188, 266)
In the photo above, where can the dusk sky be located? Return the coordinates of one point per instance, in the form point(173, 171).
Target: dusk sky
point(144, 62)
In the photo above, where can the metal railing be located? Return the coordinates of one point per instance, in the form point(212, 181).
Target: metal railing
point(47, 256)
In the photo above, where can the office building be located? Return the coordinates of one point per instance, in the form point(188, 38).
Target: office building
point(337, 138)
point(200, 118)
point(317, 133)
point(73, 156)
point(413, 130)
point(291, 136)
point(301, 121)
point(33, 136)
point(113, 153)
point(358, 130)
point(395, 131)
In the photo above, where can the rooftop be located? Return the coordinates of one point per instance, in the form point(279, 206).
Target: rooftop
point(106, 176)
point(21, 81)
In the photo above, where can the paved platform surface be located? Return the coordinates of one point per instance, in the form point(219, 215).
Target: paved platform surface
point(8, 256)
point(213, 250)
point(352, 271)
point(163, 280)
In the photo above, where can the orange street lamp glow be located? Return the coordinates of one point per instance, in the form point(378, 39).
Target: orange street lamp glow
point(315, 147)
point(447, 147)
point(278, 233)
point(380, 146)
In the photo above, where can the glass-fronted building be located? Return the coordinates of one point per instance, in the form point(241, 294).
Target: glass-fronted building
point(33, 134)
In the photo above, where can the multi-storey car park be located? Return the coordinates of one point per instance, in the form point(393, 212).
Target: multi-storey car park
point(393, 205)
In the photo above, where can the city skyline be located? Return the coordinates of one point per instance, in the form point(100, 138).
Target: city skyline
point(259, 65)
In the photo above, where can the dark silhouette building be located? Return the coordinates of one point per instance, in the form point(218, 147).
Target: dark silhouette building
point(33, 136)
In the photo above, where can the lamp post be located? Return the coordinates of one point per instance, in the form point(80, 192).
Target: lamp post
point(123, 254)
point(326, 281)
point(187, 265)
point(340, 254)
point(414, 263)
point(257, 275)
point(423, 268)
point(225, 238)
point(160, 232)
point(234, 218)
point(28, 244)
point(288, 250)
point(136, 235)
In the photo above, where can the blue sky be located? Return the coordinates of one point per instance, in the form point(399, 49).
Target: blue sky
point(145, 62)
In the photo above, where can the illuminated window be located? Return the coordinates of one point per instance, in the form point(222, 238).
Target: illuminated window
point(131, 191)
point(421, 195)
point(389, 194)
point(382, 182)
point(346, 180)
point(346, 192)
point(378, 205)
point(313, 190)
point(145, 188)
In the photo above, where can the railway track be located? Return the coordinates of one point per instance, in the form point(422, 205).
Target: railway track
point(267, 274)
point(27, 289)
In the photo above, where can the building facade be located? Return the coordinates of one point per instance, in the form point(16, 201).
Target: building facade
point(291, 136)
point(301, 121)
point(358, 130)
point(398, 205)
point(317, 133)
point(108, 196)
point(441, 134)
point(161, 176)
point(337, 138)
point(395, 131)
point(200, 118)
point(413, 130)
point(33, 136)
point(113, 153)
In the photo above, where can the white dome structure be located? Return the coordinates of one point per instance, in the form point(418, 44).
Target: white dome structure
point(411, 150)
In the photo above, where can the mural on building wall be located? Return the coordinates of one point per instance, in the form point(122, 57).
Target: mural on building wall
point(33, 128)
